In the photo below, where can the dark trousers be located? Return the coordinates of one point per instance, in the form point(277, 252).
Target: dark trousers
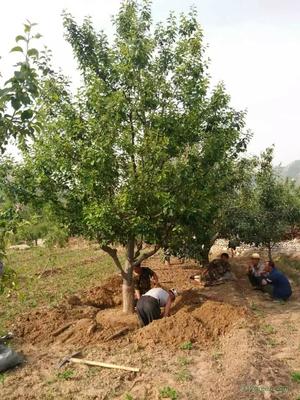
point(255, 280)
point(270, 289)
point(147, 310)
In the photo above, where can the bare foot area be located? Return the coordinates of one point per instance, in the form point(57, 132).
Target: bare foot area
point(221, 342)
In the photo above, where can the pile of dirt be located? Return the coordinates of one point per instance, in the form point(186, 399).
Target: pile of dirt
point(94, 316)
point(46, 325)
point(109, 294)
point(218, 318)
point(178, 328)
point(197, 325)
point(74, 321)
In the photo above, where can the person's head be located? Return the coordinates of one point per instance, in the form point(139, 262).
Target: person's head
point(173, 294)
point(269, 265)
point(137, 268)
point(255, 259)
point(224, 257)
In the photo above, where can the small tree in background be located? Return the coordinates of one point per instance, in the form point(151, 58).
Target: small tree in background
point(266, 208)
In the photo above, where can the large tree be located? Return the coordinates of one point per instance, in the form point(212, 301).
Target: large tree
point(144, 150)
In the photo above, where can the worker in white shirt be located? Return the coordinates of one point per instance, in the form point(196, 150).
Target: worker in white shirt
point(148, 306)
point(256, 271)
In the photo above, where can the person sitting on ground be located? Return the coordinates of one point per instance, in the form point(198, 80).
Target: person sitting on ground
point(276, 283)
point(148, 306)
point(255, 271)
point(142, 280)
point(217, 271)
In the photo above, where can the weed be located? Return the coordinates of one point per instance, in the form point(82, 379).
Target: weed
point(186, 346)
point(256, 310)
point(183, 361)
point(183, 375)
point(216, 355)
point(271, 342)
point(128, 397)
point(296, 376)
point(2, 378)
point(66, 375)
point(168, 393)
point(268, 329)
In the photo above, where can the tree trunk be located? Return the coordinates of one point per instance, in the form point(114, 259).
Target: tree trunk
point(204, 256)
point(269, 251)
point(127, 288)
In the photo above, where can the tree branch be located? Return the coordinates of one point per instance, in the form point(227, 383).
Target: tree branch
point(146, 255)
point(113, 253)
point(139, 246)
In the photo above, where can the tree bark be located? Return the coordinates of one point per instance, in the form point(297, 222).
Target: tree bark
point(270, 251)
point(204, 255)
point(127, 288)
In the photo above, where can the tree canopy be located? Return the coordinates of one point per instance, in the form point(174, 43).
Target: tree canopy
point(146, 149)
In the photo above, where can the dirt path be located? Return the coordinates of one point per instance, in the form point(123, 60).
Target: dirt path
point(223, 343)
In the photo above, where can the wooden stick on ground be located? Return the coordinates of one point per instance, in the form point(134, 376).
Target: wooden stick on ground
point(101, 364)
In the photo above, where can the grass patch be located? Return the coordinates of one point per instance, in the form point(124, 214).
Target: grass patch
point(183, 361)
point(128, 397)
point(268, 329)
point(66, 375)
point(216, 356)
point(2, 378)
point(186, 346)
point(168, 393)
point(296, 376)
point(271, 342)
point(256, 310)
point(183, 375)
point(70, 270)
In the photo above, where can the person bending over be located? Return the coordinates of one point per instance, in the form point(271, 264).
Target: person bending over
point(148, 306)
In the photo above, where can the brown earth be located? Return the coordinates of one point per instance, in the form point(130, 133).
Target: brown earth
point(243, 345)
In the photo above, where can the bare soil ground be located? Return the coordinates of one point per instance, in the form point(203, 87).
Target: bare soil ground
point(223, 342)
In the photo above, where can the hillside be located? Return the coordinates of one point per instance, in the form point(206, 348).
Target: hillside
point(291, 170)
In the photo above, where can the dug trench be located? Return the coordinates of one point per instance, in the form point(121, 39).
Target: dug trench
point(213, 346)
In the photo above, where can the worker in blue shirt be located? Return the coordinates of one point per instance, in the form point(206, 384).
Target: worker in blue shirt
point(276, 283)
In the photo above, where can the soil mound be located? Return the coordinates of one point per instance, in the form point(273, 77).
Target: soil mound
point(94, 316)
point(178, 328)
point(105, 296)
point(197, 325)
point(46, 325)
point(74, 321)
point(218, 318)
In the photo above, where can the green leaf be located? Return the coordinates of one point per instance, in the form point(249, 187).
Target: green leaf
point(15, 104)
point(27, 28)
point(27, 114)
point(20, 37)
point(17, 48)
point(33, 53)
point(37, 36)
